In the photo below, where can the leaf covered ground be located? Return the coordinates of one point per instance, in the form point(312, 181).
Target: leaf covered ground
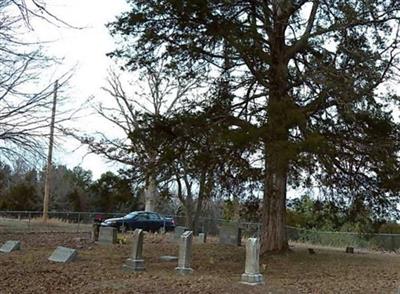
point(217, 269)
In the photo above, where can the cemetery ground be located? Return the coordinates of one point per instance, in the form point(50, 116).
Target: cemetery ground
point(217, 268)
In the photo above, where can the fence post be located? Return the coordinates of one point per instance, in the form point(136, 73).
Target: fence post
point(29, 221)
point(79, 221)
point(123, 228)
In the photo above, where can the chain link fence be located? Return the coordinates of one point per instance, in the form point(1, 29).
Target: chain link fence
point(64, 222)
point(387, 242)
point(31, 221)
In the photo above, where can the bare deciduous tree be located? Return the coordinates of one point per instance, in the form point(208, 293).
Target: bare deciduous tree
point(157, 98)
point(25, 99)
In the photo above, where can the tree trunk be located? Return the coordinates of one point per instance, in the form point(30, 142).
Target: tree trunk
point(277, 157)
point(151, 194)
point(278, 151)
point(196, 218)
point(203, 189)
point(274, 237)
point(189, 218)
point(236, 208)
point(188, 204)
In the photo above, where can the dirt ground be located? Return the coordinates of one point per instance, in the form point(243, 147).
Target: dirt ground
point(217, 269)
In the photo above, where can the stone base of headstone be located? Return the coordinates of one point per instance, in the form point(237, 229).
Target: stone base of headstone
point(252, 279)
point(10, 246)
point(133, 265)
point(184, 270)
point(63, 254)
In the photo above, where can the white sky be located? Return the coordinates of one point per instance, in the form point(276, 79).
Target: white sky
point(85, 49)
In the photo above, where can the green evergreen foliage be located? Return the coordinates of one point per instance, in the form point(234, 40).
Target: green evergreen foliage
point(113, 193)
point(22, 194)
point(306, 77)
point(72, 190)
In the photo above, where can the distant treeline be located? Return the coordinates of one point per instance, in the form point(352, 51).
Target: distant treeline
point(320, 215)
point(22, 188)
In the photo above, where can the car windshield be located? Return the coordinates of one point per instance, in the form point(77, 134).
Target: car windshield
point(130, 215)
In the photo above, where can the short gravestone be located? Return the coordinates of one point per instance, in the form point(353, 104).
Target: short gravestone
point(230, 235)
point(168, 258)
point(63, 254)
point(252, 274)
point(179, 230)
point(95, 232)
point(201, 238)
point(10, 246)
point(135, 263)
point(107, 235)
point(185, 253)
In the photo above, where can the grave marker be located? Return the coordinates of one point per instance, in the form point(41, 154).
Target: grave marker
point(63, 254)
point(135, 263)
point(10, 246)
point(185, 253)
point(252, 274)
point(201, 238)
point(107, 235)
point(230, 234)
point(168, 258)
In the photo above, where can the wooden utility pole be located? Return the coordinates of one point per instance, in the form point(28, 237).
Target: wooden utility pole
point(49, 157)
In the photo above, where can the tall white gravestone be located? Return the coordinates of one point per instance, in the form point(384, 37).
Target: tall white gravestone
point(135, 263)
point(252, 274)
point(185, 253)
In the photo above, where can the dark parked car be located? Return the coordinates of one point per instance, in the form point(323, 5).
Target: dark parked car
point(148, 221)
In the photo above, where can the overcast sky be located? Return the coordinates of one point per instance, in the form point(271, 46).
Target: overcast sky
point(85, 49)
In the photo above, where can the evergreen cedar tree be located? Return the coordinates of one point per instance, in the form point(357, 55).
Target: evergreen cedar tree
point(315, 69)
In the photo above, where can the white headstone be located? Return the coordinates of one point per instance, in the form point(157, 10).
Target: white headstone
point(185, 253)
point(201, 238)
point(63, 254)
point(252, 274)
point(135, 263)
point(10, 246)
